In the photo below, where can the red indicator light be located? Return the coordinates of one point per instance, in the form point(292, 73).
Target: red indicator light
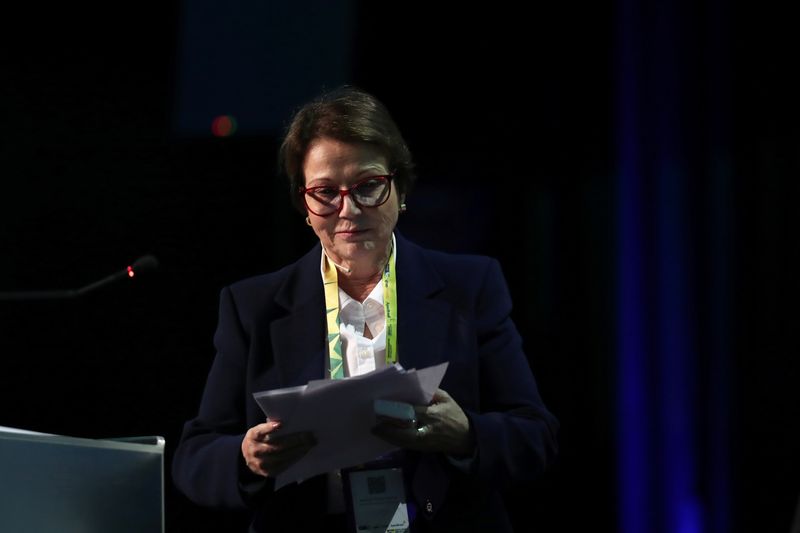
point(131, 273)
point(223, 126)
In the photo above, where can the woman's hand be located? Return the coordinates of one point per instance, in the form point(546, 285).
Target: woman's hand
point(267, 453)
point(442, 426)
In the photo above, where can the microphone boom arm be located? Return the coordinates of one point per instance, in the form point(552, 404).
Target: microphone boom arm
point(144, 263)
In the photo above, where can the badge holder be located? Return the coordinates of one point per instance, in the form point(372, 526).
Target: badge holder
point(376, 497)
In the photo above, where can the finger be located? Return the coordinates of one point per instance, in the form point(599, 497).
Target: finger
point(427, 417)
point(273, 443)
point(395, 422)
point(441, 411)
point(265, 429)
point(268, 449)
point(273, 455)
point(261, 449)
point(410, 438)
point(439, 396)
point(258, 453)
point(291, 440)
point(262, 431)
point(276, 463)
point(443, 405)
point(422, 411)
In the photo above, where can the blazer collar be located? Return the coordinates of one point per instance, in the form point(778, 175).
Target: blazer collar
point(304, 283)
point(423, 319)
point(298, 338)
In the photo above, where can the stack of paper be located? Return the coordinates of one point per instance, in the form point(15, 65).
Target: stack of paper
point(340, 415)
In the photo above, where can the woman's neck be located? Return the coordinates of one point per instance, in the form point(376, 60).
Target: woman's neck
point(358, 278)
point(359, 289)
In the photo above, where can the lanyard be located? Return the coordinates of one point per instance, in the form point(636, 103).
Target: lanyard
point(331, 284)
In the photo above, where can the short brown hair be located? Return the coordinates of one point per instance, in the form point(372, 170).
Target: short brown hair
point(350, 115)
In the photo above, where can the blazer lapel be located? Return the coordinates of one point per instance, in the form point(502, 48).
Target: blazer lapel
point(422, 319)
point(423, 322)
point(298, 339)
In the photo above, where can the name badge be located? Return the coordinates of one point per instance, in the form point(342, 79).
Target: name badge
point(378, 500)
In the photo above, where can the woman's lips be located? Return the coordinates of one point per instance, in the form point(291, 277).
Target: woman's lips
point(351, 234)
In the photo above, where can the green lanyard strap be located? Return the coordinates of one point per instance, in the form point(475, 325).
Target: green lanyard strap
point(331, 284)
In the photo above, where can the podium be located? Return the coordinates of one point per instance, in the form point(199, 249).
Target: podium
point(71, 485)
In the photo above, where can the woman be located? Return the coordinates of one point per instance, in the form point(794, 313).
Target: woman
point(486, 428)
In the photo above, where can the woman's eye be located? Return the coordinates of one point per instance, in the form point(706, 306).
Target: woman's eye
point(327, 192)
point(369, 185)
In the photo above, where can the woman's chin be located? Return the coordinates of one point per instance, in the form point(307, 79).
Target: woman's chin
point(356, 251)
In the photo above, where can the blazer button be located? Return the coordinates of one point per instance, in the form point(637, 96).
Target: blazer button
point(428, 507)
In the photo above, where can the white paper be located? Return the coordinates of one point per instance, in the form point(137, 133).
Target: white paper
point(6, 429)
point(340, 415)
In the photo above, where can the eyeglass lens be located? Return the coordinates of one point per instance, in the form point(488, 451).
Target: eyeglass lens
point(368, 193)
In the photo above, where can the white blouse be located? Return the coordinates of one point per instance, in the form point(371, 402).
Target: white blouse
point(363, 355)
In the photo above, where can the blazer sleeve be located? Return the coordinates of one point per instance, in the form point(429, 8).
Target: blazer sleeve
point(514, 431)
point(208, 466)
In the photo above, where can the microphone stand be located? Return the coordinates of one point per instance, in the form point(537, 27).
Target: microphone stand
point(145, 263)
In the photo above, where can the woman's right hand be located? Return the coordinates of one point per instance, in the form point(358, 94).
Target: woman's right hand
point(267, 452)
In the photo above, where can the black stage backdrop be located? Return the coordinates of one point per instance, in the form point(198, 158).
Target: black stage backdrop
point(513, 120)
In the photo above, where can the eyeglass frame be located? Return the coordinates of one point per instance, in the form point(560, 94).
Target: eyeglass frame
point(348, 191)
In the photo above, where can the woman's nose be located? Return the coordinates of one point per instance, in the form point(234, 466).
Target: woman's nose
point(349, 207)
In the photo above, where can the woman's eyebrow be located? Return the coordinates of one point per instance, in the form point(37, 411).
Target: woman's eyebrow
point(373, 167)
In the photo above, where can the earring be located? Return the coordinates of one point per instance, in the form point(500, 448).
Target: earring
point(403, 207)
point(308, 221)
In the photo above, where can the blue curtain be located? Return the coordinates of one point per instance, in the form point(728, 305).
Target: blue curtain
point(673, 215)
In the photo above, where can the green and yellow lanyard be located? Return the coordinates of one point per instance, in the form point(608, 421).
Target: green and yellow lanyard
point(331, 284)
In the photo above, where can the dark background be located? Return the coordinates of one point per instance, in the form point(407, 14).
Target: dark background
point(519, 123)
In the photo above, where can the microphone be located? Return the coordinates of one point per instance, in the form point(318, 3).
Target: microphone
point(340, 267)
point(143, 264)
point(337, 265)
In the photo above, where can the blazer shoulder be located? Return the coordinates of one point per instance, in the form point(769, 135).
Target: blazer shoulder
point(263, 290)
point(262, 283)
point(454, 266)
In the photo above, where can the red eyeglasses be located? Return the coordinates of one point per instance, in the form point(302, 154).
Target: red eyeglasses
point(326, 200)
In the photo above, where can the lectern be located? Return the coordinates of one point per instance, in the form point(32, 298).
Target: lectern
point(71, 485)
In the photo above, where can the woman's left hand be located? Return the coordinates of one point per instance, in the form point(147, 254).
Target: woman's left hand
point(441, 426)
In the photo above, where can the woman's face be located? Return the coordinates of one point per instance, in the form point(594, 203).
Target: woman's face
point(355, 235)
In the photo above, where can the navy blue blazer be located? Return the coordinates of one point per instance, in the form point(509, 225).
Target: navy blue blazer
point(271, 334)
